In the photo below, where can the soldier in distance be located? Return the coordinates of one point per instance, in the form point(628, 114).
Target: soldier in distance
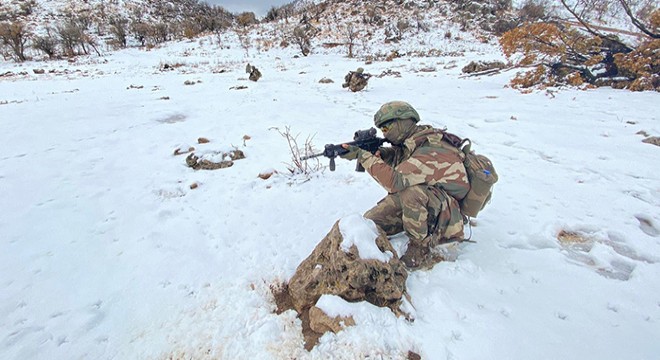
point(356, 80)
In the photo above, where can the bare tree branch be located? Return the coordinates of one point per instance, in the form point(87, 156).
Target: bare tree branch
point(591, 30)
point(636, 21)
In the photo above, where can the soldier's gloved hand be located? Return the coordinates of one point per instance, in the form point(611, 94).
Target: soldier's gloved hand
point(353, 152)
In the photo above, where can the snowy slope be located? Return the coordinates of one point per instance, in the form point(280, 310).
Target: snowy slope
point(107, 253)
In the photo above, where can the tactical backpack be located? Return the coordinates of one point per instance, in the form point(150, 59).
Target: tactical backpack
point(480, 172)
point(481, 175)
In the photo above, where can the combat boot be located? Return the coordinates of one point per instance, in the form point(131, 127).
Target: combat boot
point(415, 256)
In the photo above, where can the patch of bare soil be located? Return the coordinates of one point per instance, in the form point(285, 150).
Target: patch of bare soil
point(571, 238)
point(284, 303)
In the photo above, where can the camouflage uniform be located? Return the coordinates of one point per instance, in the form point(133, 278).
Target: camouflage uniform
point(356, 80)
point(425, 177)
point(255, 74)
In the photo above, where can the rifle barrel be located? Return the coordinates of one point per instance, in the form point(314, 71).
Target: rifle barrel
point(311, 156)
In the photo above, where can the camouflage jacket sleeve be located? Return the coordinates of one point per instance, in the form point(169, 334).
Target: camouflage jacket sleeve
point(389, 154)
point(430, 165)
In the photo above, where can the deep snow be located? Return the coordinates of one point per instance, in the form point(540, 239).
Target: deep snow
point(107, 253)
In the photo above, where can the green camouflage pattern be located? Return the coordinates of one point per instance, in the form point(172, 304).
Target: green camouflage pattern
point(356, 80)
point(395, 110)
point(482, 175)
point(425, 179)
point(427, 214)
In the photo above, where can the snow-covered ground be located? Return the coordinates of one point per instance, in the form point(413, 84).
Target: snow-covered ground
point(107, 252)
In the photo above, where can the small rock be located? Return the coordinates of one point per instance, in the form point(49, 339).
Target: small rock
point(653, 140)
point(179, 151)
point(267, 174)
point(479, 66)
point(39, 71)
point(194, 186)
point(203, 140)
point(326, 81)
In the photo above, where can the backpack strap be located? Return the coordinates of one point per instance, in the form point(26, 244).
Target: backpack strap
point(452, 139)
point(466, 146)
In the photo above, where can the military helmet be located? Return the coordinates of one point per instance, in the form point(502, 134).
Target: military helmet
point(395, 110)
point(359, 70)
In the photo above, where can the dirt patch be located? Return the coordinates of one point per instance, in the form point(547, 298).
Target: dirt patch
point(284, 302)
point(310, 336)
point(414, 356)
point(282, 298)
point(571, 238)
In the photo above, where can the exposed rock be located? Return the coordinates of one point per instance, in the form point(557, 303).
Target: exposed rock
point(236, 154)
point(39, 71)
point(321, 322)
point(265, 175)
point(480, 66)
point(181, 151)
point(331, 270)
point(203, 140)
point(198, 163)
point(326, 81)
point(653, 140)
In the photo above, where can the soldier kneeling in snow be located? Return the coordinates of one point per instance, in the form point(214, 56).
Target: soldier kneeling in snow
point(356, 80)
point(425, 179)
point(255, 74)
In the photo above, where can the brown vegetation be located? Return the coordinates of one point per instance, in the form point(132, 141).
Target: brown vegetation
point(561, 53)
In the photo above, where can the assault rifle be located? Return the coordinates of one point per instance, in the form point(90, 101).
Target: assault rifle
point(364, 139)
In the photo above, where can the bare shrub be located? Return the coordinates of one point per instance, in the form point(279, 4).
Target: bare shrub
point(71, 37)
point(160, 32)
point(372, 16)
point(46, 43)
point(190, 28)
point(298, 166)
point(272, 14)
point(15, 36)
point(533, 10)
point(74, 37)
point(140, 31)
point(244, 40)
point(420, 23)
point(246, 19)
point(351, 34)
point(302, 36)
point(27, 7)
point(119, 30)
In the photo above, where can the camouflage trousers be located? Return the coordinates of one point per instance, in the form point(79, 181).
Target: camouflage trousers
point(427, 214)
